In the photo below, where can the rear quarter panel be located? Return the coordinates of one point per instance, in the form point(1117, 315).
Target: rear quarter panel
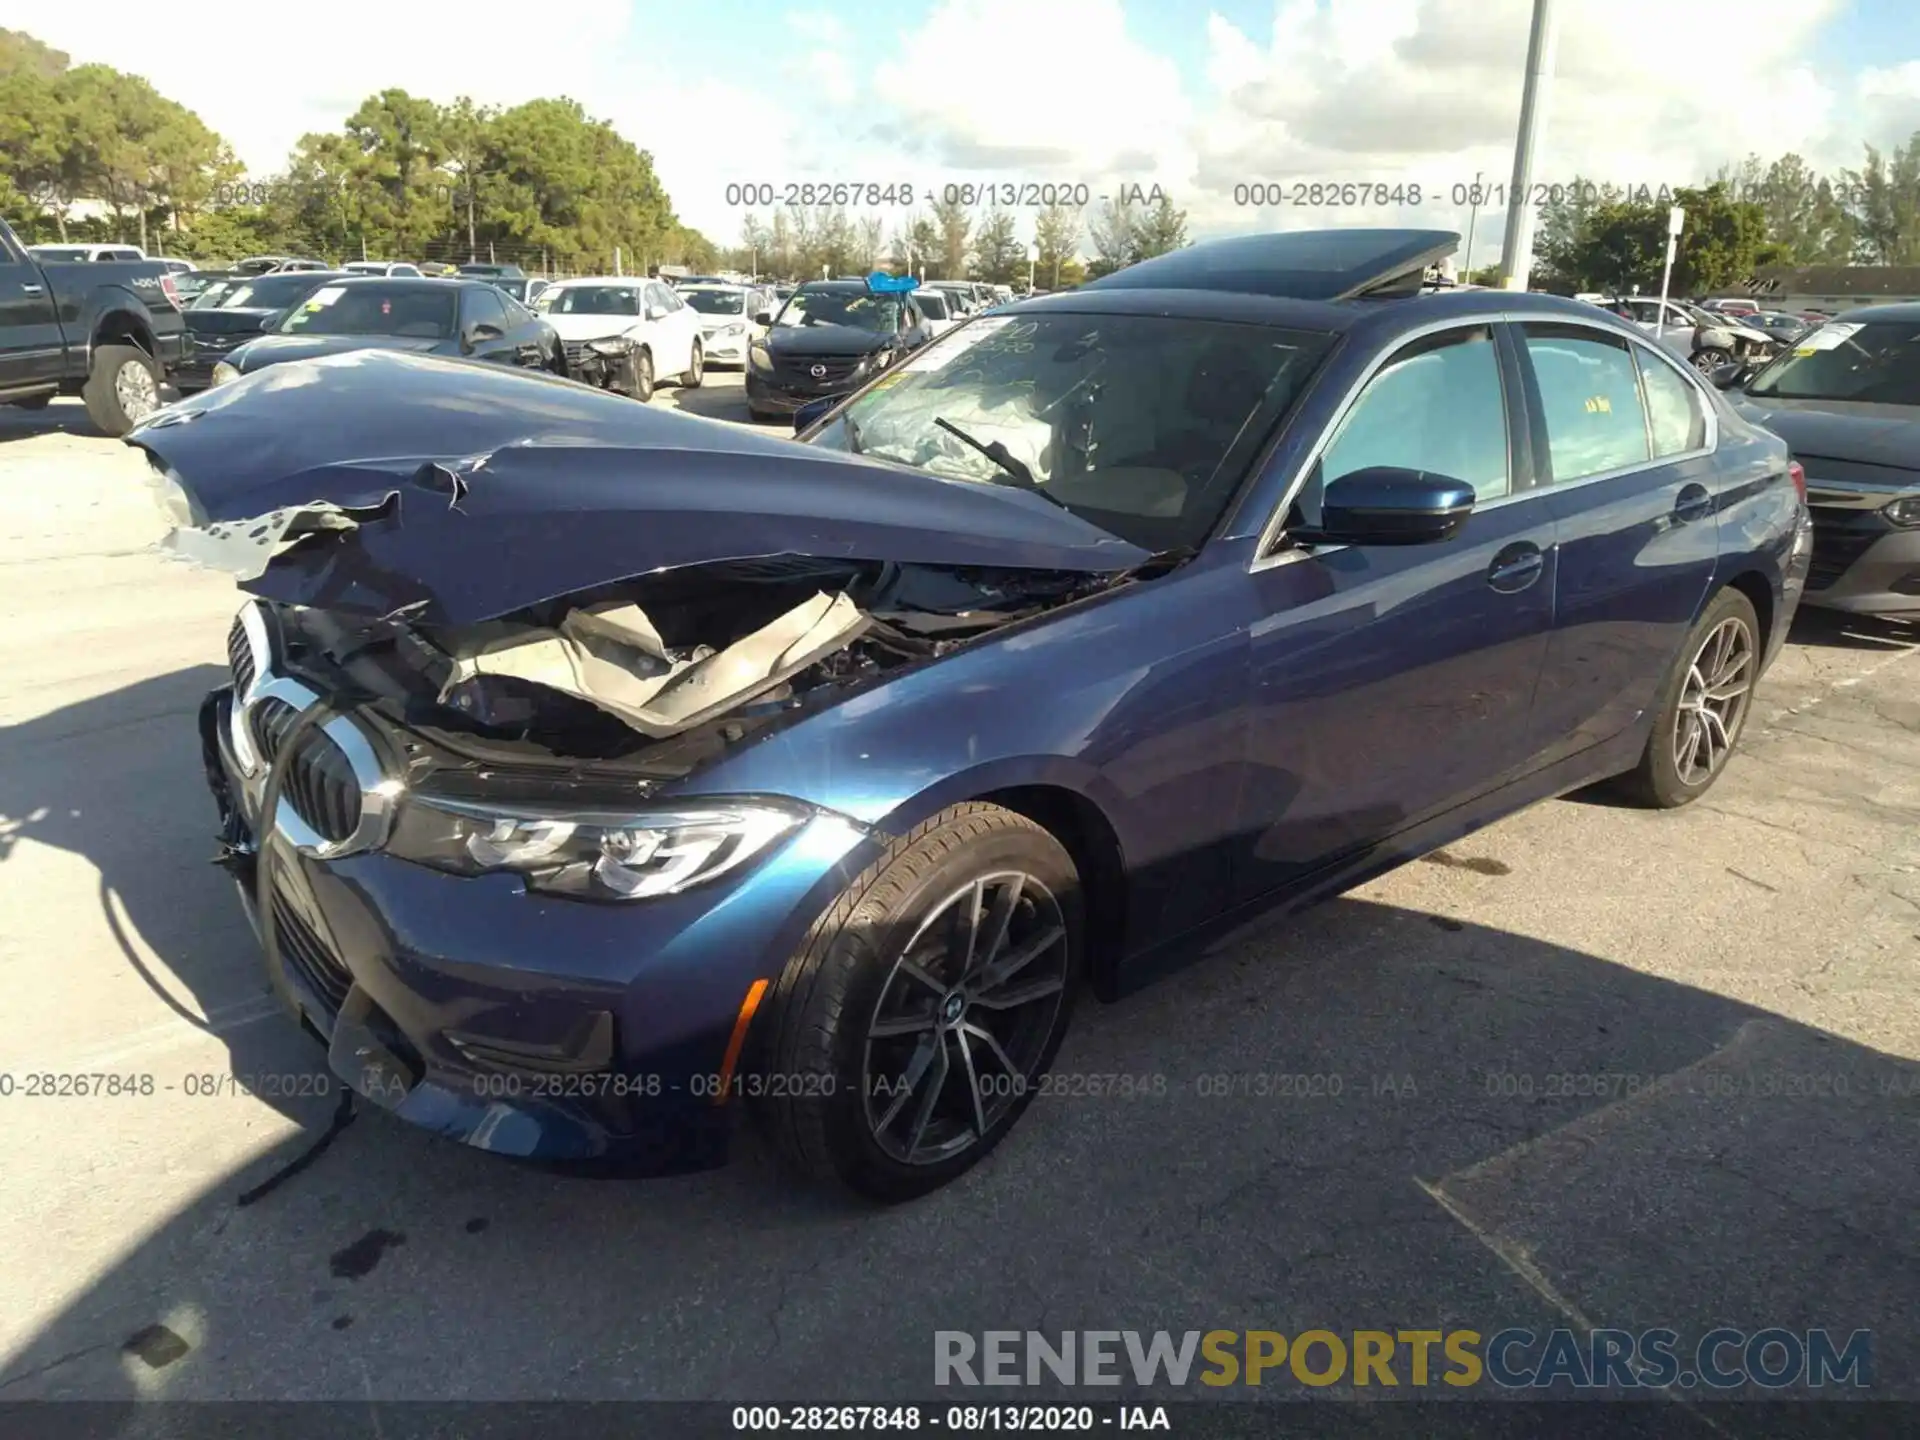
point(1759, 514)
point(124, 294)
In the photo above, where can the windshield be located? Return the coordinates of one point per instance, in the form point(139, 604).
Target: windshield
point(716, 302)
point(854, 308)
point(1877, 362)
point(592, 300)
point(409, 311)
point(268, 292)
point(1142, 425)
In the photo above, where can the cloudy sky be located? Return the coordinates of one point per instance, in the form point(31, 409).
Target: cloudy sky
point(1106, 93)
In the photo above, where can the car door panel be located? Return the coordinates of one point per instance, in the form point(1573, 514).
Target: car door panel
point(1392, 683)
point(1638, 537)
point(32, 348)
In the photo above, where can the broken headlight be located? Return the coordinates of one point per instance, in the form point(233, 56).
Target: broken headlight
point(593, 854)
point(613, 345)
point(223, 373)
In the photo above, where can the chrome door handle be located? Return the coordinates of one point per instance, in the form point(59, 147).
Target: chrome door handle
point(1516, 568)
point(33, 290)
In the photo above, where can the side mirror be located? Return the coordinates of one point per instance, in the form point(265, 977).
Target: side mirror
point(813, 410)
point(655, 312)
point(1729, 376)
point(1387, 505)
point(476, 334)
point(763, 317)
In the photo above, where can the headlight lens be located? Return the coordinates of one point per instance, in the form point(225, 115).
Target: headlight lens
point(612, 345)
point(591, 854)
point(758, 357)
point(223, 372)
point(738, 327)
point(1904, 512)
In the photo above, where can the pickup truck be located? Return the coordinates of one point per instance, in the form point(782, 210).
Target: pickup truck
point(110, 331)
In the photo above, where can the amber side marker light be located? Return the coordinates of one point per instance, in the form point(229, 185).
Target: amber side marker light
point(737, 1043)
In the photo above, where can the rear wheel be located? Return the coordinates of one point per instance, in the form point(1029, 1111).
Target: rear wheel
point(913, 1027)
point(122, 389)
point(1703, 707)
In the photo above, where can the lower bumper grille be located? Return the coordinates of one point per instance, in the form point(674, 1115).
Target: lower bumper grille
point(309, 956)
point(240, 657)
point(798, 372)
point(1834, 552)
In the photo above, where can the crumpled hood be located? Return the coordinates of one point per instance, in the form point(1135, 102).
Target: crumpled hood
point(1870, 434)
point(277, 349)
point(481, 490)
point(826, 340)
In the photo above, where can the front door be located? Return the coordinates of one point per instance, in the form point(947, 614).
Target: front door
point(1391, 683)
point(31, 347)
point(1628, 471)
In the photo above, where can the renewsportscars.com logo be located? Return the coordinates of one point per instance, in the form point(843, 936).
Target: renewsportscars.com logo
point(1724, 1359)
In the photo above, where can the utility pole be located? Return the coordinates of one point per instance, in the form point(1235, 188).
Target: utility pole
point(616, 261)
point(1516, 254)
point(1676, 222)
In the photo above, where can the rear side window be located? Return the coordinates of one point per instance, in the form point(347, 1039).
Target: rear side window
point(1675, 417)
point(1591, 395)
point(1438, 406)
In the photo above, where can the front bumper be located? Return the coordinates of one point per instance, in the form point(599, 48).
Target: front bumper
point(1863, 563)
point(518, 1023)
point(725, 349)
point(783, 397)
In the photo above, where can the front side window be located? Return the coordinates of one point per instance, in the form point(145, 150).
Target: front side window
point(1675, 416)
point(1143, 425)
point(484, 307)
point(1437, 406)
point(375, 309)
point(1591, 395)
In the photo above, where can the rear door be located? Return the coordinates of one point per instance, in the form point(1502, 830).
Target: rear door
point(1627, 437)
point(1392, 683)
point(32, 349)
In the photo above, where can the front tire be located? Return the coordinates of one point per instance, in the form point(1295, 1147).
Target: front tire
point(696, 369)
point(1703, 707)
point(912, 1028)
point(122, 388)
point(1710, 359)
point(641, 370)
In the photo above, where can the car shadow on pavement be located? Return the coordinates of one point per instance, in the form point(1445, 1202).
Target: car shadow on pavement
point(1364, 1117)
point(112, 779)
point(62, 417)
point(1837, 630)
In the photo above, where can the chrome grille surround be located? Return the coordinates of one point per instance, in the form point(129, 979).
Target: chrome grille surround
point(254, 663)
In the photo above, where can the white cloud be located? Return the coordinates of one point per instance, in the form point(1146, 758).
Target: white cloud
point(1396, 91)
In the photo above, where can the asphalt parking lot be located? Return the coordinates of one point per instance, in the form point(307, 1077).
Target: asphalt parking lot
point(1484, 1147)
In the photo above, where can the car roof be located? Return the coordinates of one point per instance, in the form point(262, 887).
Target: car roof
point(602, 280)
point(837, 287)
point(1391, 313)
point(1902, 313)
point(1299, 264)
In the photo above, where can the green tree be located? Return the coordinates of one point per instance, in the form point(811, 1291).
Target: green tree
point(1161, 228)
point(1886, 204)
point(953, 227)
point(1057, 233)
point(1115, 233)
point(999, 257)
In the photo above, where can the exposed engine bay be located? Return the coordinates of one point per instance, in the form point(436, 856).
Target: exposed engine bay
point(669, 669)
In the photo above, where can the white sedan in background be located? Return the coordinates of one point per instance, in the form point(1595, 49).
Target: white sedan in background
point(939, 308)
point(636, 315)
point(728, 323)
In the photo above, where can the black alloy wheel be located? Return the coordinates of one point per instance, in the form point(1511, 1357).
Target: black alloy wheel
point(913, 1027)
point(1703, 706)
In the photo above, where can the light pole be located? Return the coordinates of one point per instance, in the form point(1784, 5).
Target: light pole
point(1516, 255)
point(1033, 259)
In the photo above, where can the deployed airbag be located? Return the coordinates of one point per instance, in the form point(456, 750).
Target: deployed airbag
point(612, 657)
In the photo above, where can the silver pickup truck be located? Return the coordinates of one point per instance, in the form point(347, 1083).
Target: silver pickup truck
point(109, 331)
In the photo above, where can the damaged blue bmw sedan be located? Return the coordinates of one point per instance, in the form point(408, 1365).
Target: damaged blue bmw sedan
point(593, 774)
